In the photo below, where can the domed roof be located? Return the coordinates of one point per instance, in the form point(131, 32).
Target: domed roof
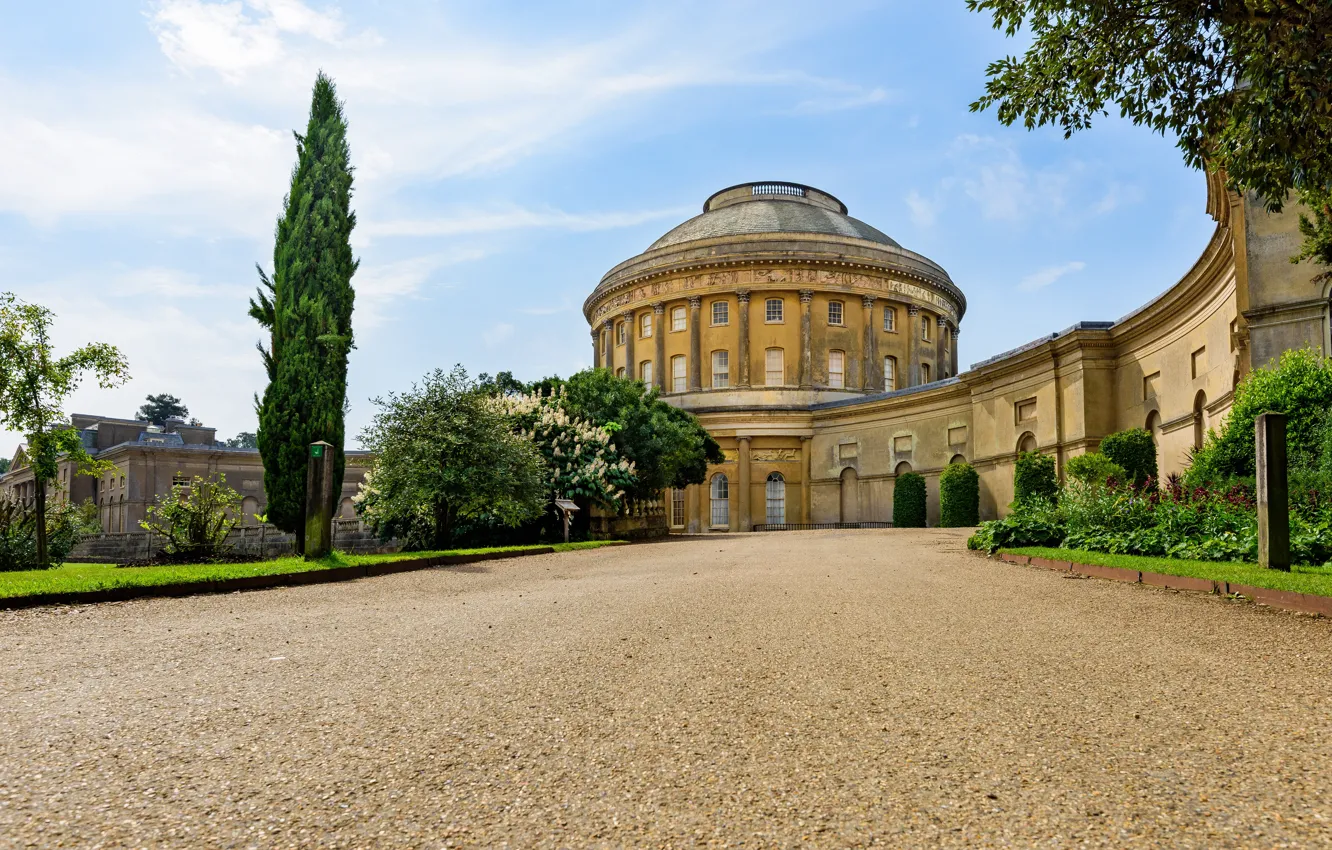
point(772, 207)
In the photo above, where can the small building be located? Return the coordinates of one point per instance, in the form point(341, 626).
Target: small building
point(149, 460)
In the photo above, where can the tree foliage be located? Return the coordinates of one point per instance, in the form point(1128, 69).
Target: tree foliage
point(244, 440)
point(1094, 468)
point(34, 385)
point(909, 501)
point(1134, 451)
point(195, 518)
point(1243, 84)
point(4, 465)
point(959, 496)
point(307, 307)
point(66, 525)
point(444, 454)
point(1034, 477)
point(159, 408)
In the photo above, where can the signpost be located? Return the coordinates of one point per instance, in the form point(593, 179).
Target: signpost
point(319, 497)
point(567, 509)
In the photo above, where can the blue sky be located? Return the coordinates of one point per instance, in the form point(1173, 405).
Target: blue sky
point(508, 154)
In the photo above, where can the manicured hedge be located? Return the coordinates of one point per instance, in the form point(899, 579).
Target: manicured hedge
point(959, 496)
point(909, 501)
point(1094, 468)
point(1134, 450)
point(1035, 478)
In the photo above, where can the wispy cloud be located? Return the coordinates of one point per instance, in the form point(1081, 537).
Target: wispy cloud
point(837, 103)
point(497, 335)
point(518, 218)
point(380, 285)
point(924, 212)
point(1047, 276)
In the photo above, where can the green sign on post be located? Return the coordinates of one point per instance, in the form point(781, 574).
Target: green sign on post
point(316, 450)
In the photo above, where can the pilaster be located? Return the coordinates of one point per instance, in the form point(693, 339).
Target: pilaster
point(913, 346)
point(868, 358)
point(659, 355)
point(630, 363)
point(746, 522)
point(941, 347)
point(806, 372)
point(743, 298)
point(608, 328)
point(695, 344)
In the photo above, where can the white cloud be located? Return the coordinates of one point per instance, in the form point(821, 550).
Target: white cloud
point(165, 283)
point(497, 335)
point(1117, 195)
point(517, 218)
point(1047, 276)
point(379, 286)
point(853, 100)
point(923, 212)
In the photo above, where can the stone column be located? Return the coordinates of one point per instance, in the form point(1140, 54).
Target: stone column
point(630, 364)
point(940, 346)
point(869, 351)
point(913, 346)
point(596, 348)
point(705, 505)
point(609, 333)
point(1273, 492)
point(695, 345)
point(659, 331)
point(806, 444)
point(953, 362)
point(806, 356)
point(746, 522)
point(743, 298)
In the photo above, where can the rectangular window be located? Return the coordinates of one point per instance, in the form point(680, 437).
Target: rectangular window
point(646, 323)
point(925, 328)
point(834, 312)
point(836, 369)
point(645, 372)
point(619, 333)
point(774, 367)
point(677, 507)
point(677, 318)
point(774, 311)
point(924, 373)
point(721, 313)
point(721, 501)
point(889, 374)
point(890, 319)
point(721, 369)
point(1199, 361)
point(678, 373)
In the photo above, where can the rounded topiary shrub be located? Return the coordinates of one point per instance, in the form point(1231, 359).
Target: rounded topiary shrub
point(1094, 468)
point(1035, 478)
point(909, 501)
point(1134, 451)
point(959, 496)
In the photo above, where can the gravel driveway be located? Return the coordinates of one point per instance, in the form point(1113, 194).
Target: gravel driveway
point(828, 689)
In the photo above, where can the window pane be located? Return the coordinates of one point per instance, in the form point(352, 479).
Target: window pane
point(647, 324)
point(889, 319)
point(619, 334)
point(647, 371)
point(677, 507)
point(924, 373)
point(721, 369)
point(774, 367)
point(677, 318)
point(776, 493)
point(721, 505)
point(925, 327)
point(836, 369)
point(834, 312)
point(678, 373)
point(721, 313)
point(889, 374)
point(773, 311)
point(619, 373)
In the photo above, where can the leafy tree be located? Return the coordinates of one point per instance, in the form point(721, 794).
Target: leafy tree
point(667, 446)
point(959, 496)
point(244, 440)
point(4, 465)
point(445, 453)
point(1034, 477)
point(195, 518)
point(1244, 84)
point(1094, 468)
point(1135, 451)
point(909, 501)
point(34, 384)
point(159, 408)
point(307, 308)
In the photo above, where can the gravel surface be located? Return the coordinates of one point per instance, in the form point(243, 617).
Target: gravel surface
point(829, 689)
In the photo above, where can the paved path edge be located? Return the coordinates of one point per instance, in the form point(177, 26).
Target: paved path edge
point(1288, 600)
point(231, 585)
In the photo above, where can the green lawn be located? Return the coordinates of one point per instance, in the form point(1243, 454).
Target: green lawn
point(1301, 579)
point(73, 577)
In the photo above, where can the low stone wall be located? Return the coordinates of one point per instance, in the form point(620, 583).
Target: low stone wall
point(260, 542)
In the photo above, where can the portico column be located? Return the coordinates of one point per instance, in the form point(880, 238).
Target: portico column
point(695, 345)
point(806, 373)
point(608, 328)
point(868, 357)
point(746, 522)
point(705, 505)
point(659, 331)
point(596, 348)
point(913, 346)
point(743, 297)
point(805, 452)
point(953, 362)
point(630, 364)
point(940, 347)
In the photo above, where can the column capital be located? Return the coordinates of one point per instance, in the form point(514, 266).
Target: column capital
point(658, 308)
point(913, 310)
point(942, 322)
point(742, 296)
point(805, 438)
point(627, 315)
point(596, 332)
point(868, 300)
point(744, 439)
point(806, 296)
point(695, 302)
point(956, 331)
point(608, 324)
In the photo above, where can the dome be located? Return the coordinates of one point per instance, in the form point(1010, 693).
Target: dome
point(772, 207)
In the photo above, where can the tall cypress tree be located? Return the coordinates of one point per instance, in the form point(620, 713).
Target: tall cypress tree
point(307, 307)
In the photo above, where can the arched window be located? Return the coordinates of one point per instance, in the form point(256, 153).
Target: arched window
point(678, 373)
point(850, 495)
point(902, 468)
point(889, 374)
point(776, 492)
point(645, 372)
point(924, 373)
point(774, 367)
point(619, 373)
point(957, 459)
point(1199, 418)
point(836, 369)
point(646, 322)
point(1027, 442)
point(721, 501)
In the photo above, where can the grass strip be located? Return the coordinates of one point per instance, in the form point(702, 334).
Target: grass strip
point(78, 578)
point(1301, 579)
